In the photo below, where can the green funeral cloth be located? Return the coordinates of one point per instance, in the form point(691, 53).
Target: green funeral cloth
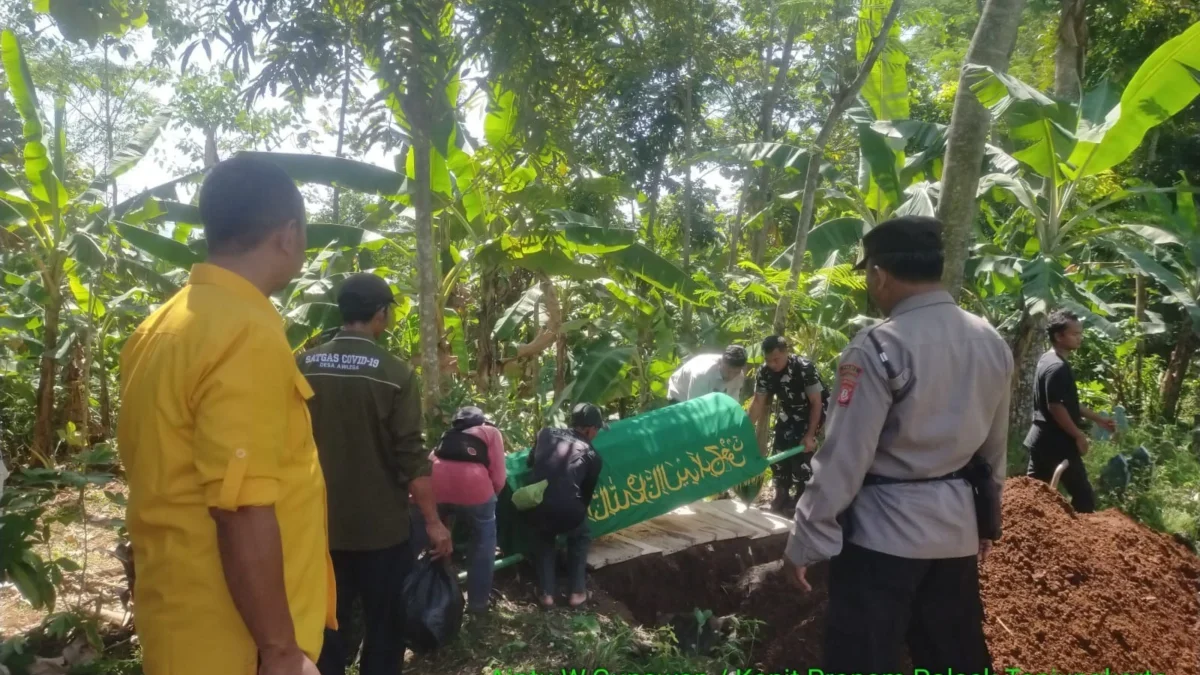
point(653, 464)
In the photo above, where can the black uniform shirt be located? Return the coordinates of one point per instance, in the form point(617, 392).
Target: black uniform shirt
point(1055, 383)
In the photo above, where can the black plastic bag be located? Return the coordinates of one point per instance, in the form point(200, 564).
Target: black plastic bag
point(433, 605)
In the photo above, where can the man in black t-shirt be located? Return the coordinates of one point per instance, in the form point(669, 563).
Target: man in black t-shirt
point(1057, 432)
point(793, 380)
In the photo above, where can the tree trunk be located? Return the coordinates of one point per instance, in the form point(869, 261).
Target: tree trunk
point(427, 283)
point(1070, 51)
point(1172, 379)
point(43, 427)
point(766, 134)
point(735, 230)
point(817, 154)
point(767, 112)
point(992, 45)
point(687, 199)
point(758, 237)
point(427, 260)
point(210, 148)
point(108, 126)
point(560, 351)
point(1028, 346)
point(105, 399)
point(652, 208)
point(78, 412)
point(1139, 315)
point(486, 347)
point(337, 191)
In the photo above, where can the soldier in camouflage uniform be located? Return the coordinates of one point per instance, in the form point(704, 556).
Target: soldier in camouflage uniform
point(793, 380)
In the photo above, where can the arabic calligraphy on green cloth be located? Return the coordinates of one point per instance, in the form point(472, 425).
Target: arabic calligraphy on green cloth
point(661, 460)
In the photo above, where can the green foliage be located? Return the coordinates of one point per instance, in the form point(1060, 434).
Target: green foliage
point(88, 20)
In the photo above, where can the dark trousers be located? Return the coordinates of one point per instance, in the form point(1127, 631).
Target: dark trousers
point(1043, 459)
point(879, 602)
point(374, 578)
point(545, 559)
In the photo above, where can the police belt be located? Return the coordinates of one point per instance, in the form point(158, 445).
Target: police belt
point(978, 475)
point(876, 479)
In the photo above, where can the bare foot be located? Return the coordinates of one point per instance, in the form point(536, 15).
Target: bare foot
point(577, 599)
point(547, 601)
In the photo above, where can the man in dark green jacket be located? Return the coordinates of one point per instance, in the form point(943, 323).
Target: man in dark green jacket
point(366, 418)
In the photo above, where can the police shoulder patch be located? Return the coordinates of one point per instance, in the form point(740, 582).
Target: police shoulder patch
point(848, 374)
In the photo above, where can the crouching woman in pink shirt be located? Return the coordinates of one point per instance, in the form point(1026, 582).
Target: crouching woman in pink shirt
point(468, 473)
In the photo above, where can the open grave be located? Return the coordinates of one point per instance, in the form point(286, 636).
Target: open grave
point(1075, 593)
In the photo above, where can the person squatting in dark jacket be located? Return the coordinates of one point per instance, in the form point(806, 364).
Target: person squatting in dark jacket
point(566, 460)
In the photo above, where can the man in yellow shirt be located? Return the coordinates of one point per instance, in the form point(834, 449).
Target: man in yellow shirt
point(226, 498)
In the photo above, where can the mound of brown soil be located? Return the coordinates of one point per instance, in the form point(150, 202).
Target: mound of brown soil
point(1061, 592)
point(1079, 593)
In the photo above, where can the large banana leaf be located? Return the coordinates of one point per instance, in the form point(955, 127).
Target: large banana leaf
point(1162, 86)
point(1046, 127)
point(584, 234)
point(884, 188)
point(159, 247)
point(830, 236)
point(886, 88)
point(599, 371)
point(920, 201)
point(439, 172)
point(555, 264)
point(466, 173)
point(137, 148)
point(1017, 187)
point(774, 155)
point(624, 296)
point(655, 270)
point(320, 235)
point(517, 314)
point(1042, 280)
point(1153, 234)
point(338, 172)
point(1169, 279)
point(38, 166)
point(499, 126)
point(86, 250)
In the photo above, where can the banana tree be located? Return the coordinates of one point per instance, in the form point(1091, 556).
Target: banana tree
point(1062, 145)
point(47, 215)
point(1172, 260)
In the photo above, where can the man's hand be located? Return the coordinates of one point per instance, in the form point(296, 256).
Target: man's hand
point(985, 547)
point(1081, 444)
point(289, 662)
point(1110, 425)
point(440, 542)
point(797, 575)
point(810, 442)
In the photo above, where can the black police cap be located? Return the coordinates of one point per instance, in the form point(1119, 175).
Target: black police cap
point(907, 234)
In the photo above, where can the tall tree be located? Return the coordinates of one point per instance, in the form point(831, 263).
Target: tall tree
point(844, 93)
point(992, 45)
point(772, 90)
point(1070, 51)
